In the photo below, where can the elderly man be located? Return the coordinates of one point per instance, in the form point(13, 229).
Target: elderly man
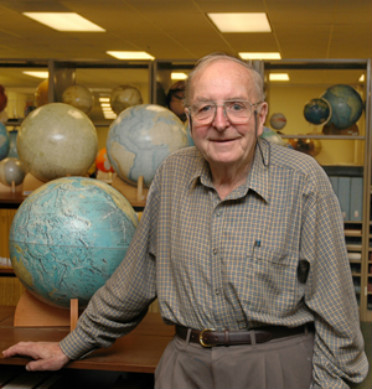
point(242, 243)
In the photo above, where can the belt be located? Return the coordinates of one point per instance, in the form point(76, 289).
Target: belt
point(210, 338)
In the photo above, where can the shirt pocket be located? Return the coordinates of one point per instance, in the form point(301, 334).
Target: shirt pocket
point(271, 282)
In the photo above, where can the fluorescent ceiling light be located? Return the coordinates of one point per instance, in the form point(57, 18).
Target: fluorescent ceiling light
point(64, 21)
point(241, 21)
point(260, 55)
point(278, 77)
point(37, 73)
point(130, 55)
point(178, 76)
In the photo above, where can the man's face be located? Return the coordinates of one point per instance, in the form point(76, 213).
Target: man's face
point(222, 141)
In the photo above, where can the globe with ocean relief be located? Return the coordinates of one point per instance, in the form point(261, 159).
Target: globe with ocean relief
point(68, 237)
point(140, 138)
point(346, 105)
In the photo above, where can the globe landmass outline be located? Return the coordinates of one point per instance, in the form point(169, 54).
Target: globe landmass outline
point(140, 138)
point(68, 237)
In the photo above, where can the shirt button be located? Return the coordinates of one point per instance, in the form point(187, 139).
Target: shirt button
point(217, 291)
point(215, 251)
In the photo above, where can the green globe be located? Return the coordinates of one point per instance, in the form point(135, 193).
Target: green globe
point(140, 138)
point(68, 237)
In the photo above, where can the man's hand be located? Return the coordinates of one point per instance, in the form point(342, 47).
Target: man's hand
point(46, 355)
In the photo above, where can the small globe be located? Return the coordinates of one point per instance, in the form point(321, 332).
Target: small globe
point(68, 237)
point(140, 138)
point(124, 97)
point(79, 97)
point(346, 104)
point(272, 136)
point(3, 98)
point(11, 171)
point(317, 111)
point(57, 140)
point(4, 141)
point(188, 134)
point(278, 121)
point(41, 93)
point(308, 146)
point(102, 161)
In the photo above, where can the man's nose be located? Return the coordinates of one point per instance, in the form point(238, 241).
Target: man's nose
point(220, 120)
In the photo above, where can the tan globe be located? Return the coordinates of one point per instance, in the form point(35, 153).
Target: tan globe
point(79, 97)
point(57, 140)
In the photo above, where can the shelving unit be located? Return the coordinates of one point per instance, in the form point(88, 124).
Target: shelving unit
point(308, 78)
point(322, 74)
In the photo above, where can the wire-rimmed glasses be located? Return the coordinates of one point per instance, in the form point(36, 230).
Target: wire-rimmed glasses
point(236, 111)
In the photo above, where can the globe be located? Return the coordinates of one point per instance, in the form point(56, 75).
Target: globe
point(272, 136)
point(78, 96)
point(41, 93)
point(188, 134)
point(317, 111)
point(57, 140)
point(124, 97)
point(3, 98)
point(308, 146)
point(346, 104)
point(4, 141)
point(102, 161)
point(140, 138)
point(11, 171)
point(68, 237)
point(278, 121)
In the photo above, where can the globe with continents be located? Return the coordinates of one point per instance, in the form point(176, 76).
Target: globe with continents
point(68, 237)
point(317, 111)
point(57, 140)
point(346, 105)
point(140, 138)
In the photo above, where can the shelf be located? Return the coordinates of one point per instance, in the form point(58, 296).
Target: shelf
point(324, 137)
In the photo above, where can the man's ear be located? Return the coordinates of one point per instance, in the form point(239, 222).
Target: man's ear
point(261, 117)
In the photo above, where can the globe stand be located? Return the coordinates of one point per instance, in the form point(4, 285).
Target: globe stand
point(31, 312)
point(136, 195)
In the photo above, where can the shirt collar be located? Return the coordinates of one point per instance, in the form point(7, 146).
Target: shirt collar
point(257, 180)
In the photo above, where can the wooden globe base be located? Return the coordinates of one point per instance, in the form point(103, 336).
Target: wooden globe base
point(136, 195)
point(31, 312)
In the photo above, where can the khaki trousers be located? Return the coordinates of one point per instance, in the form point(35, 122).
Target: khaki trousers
point(283, 363)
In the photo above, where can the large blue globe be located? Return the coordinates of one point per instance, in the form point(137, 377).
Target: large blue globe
point(346, 104)
point(140, 138)
point(68, 237)
point(4, 141)
point(317, 111)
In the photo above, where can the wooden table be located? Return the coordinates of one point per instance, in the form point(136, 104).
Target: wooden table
point(138, 351)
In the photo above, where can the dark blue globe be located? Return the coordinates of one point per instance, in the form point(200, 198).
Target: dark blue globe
point(317, 111)
point(346, 104)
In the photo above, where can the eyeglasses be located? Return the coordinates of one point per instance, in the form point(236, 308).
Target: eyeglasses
point(236, 111)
